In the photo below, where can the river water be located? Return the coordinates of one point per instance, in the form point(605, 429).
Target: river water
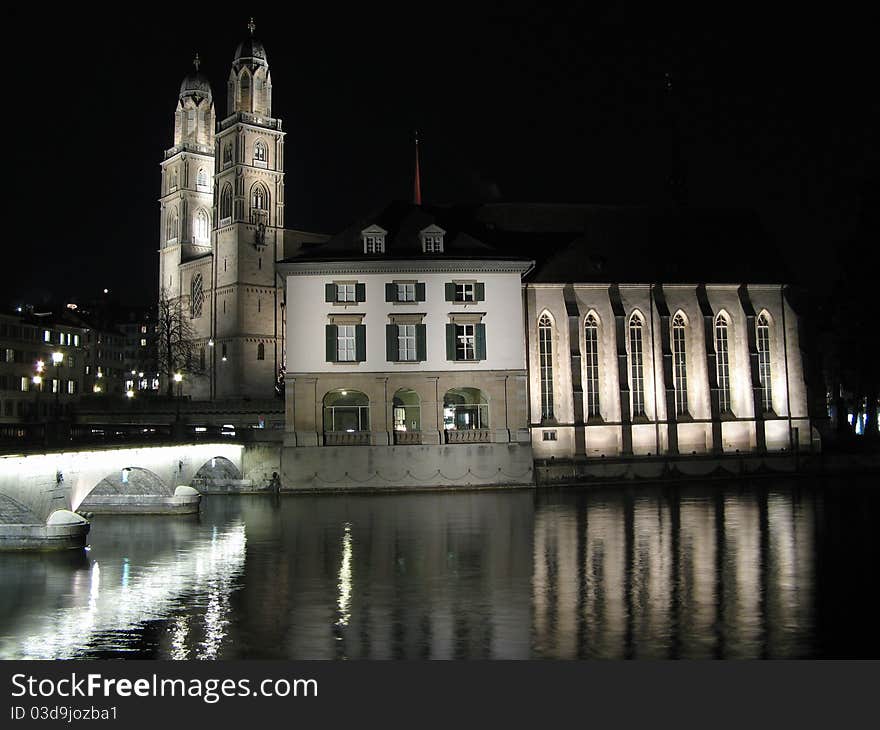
point(726, 570)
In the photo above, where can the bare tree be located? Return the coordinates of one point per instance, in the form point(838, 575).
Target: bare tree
point(176, 340)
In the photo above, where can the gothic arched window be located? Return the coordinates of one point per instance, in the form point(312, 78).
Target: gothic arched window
point(545, 346)
point(722, 362)
point(202, 225)
point(172, 225)
point(227, 153)
point(202, 178)
point(259, 153)
point(679, 363)
point(226, 203)
point(245, 91)
point(261, 351)
point(196, 296)
point(637, 366)
point(763, 338)
point(591, 364)
point(258, 197)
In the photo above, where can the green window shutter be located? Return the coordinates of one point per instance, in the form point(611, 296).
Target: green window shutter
point(360, 341)
point(421, 341)
point(481, 341)
point(480, 291)
point(360, 292)
point(450, 291)
point(391, 353)
point(391, 292)
point(450, 341)
point(331, 342)
point(329, 292)
point(420, 291)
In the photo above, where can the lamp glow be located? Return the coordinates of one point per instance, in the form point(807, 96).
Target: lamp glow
point(57, 358)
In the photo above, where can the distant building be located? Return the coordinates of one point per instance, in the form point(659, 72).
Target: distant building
point(31, 382)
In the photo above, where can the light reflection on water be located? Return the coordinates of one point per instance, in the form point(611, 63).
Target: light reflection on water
point(726, 571)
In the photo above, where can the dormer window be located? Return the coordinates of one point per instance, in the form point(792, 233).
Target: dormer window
point(432, 239)
point(374, 240)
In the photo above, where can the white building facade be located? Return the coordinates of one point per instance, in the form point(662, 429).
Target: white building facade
point(405, 360)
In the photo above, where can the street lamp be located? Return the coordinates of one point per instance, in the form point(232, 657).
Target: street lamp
point(178, 378)
point(57, 359)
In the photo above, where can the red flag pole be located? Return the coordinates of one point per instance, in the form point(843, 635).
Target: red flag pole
point(417, 188)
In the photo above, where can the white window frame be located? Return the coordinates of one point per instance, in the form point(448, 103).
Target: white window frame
point(346, 348)
point(679, 363)
point(722, 363)
point(406, 292)
point(466, 292)
point(374, 243)
point(637, 364)
point(406, 343)
point(465, 342)
point(545, 361)
point(346, 292)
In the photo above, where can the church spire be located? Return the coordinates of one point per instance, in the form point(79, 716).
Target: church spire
point(417, 185)
point(252, 26)
point(196, 62)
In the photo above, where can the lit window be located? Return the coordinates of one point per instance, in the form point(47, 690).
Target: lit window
point(637, 366)
point(47, 336)
point(465, 293)
point(345, 292)
point(763, 337)
point(591, 364)
point(722, 363)
point(25, 384)
point(679, 364)
point(345, 344)
point(143, 342)
point(71, 387)
point(545, 346)
point(202, 225)
point(465, 342)
point(76, 340)
point(406, 292)
point(406, 342)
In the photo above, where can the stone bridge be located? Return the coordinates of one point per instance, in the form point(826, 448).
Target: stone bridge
point(44, 483)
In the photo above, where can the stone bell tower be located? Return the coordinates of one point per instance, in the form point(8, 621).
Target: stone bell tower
point(248, 230)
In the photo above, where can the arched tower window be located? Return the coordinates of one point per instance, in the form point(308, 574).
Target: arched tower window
point(261, 351)
point(172, 226)
point(259, 154)
point(259, 204)
point(172, 185)
point(227, 154)
point(226, 203)
point(196, 296)
point(591, 364)
point(202, 178)
point(637, 369)
point(202, 225)
point(545, 346)
point(245, 84)
point(679, 363)
point(763, 338)
point(722, 362)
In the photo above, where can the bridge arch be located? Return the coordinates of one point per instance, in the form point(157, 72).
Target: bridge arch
point(133, 480)
point(214, 470)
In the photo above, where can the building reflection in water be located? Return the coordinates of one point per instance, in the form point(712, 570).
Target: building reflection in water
point(674, 573)
point(720, 570)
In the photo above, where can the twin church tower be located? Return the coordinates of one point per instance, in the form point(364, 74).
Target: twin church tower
point(222, 228)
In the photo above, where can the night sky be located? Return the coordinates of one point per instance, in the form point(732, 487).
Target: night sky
point(777, 114)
